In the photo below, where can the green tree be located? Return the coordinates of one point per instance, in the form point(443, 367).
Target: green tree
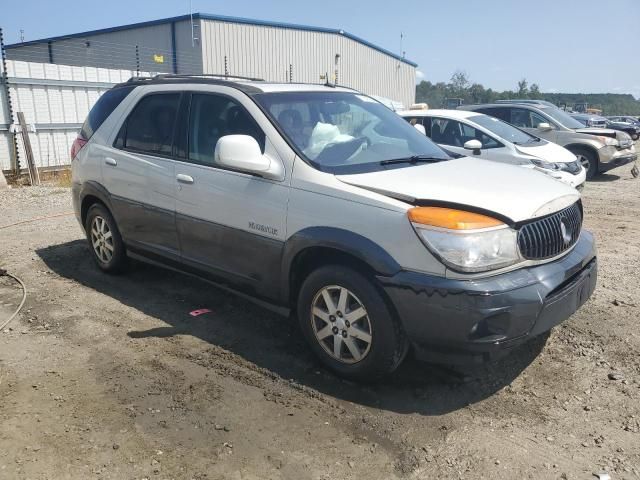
point(523, 88)
point(460, 87)
point(534, 91)
point(459, 83)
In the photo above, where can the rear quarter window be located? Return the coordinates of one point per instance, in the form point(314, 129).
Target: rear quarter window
point(105, 105)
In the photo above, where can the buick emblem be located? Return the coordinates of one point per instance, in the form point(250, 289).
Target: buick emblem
point(564, 230)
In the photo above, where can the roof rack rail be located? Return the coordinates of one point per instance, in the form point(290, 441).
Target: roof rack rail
point(212, 75)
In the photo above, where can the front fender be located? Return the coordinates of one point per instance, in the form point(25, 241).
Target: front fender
point(344, 241)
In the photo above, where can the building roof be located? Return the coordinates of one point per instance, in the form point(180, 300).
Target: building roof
point(218, 18)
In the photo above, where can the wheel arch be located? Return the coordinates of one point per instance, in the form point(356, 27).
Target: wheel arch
point(92, 193)
point(581, 146)
point(317, 246)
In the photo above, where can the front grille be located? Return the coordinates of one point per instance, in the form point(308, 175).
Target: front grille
point(550, 236)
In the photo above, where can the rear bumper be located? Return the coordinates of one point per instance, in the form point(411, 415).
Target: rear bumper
point(76, 200)
point(462, 321)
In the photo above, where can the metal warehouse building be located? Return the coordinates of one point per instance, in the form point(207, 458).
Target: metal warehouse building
point(202, 43)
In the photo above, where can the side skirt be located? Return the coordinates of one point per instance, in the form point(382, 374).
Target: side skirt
point(278, 309)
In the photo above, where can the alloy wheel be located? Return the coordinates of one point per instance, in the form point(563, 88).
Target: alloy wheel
point(341, 324)
point(102, 239)
point(584, 161)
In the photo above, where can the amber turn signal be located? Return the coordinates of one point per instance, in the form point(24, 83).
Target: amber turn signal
point(451, 218)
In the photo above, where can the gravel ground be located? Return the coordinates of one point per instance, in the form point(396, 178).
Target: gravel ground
point(109, 377)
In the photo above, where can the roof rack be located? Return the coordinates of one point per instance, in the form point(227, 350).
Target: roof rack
point(210, 75)
point(215, 79)
point(211, 79)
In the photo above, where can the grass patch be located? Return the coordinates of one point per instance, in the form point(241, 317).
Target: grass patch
point(63, 179)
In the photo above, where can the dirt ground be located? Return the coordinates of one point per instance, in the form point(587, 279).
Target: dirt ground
point(109, 377)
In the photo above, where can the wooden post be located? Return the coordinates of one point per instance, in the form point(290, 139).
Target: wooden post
point(31, 164)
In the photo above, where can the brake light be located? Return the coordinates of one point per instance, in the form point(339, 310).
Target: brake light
point(77, 145)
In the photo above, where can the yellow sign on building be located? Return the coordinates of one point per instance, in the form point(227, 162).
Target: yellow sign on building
point(158, 58)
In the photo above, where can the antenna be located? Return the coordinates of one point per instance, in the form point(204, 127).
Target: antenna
point(21, 36)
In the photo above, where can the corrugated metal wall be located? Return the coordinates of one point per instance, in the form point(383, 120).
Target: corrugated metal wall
point(267, 52)
point(117, 49)
point(56, 99)
point(251, 50)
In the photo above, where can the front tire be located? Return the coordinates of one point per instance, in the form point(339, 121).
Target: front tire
point(105, 240)
point(588, 159)
point(348, 324)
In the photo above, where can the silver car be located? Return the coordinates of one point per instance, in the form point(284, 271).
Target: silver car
point(599, 149)
point(324, 203)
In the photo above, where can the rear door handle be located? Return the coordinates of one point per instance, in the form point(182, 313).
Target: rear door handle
point(182, 178)
point(110, 161)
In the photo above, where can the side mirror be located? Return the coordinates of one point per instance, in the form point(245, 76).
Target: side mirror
point(473, 145)
point(241, 152)
point(420, 128)
point(545, 127)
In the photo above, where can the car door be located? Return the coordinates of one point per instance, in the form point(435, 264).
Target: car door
point(139, 174)
point(453, 134)
point(231, 225)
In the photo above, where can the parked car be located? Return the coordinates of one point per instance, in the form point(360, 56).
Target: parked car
point(625, 118)
point(323, 202)
point(485, 137)
point(633, 130)
point(590, 120)
point(525, 100)
point(598, 149)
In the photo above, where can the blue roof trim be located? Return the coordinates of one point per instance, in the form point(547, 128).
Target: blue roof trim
point(218, 18)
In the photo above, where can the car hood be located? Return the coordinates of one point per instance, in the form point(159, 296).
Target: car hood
point(603, 132)
point(624, 140)
point(547, 151)
point(510, 191)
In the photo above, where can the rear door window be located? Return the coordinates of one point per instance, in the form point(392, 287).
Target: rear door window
point(149, 128)
point(105, 105)
point(455, 134)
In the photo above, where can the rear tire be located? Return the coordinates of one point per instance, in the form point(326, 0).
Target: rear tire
point(588, 159)
point(348, 324)
point(105, 240)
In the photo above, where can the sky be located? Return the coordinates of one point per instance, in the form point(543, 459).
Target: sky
point(575, 46)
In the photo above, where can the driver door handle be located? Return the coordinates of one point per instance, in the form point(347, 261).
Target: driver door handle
point(110, 161)
point(182, 178)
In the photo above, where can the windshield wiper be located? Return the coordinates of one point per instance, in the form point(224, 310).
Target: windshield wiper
point(413, 159)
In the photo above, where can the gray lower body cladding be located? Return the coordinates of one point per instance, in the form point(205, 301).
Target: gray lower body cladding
point(617, 162)
point(456, 321)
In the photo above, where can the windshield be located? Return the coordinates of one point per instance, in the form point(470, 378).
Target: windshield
point(503, 129)
point(562, 118)
point(343, 132)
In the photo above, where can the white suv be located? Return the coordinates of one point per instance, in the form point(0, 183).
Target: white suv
point(323, 201)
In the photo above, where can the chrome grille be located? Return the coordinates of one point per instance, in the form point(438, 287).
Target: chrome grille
point(552, 235)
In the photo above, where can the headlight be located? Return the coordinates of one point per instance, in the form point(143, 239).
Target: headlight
point(466, 241)
point(545, 165)
point(608, 141)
